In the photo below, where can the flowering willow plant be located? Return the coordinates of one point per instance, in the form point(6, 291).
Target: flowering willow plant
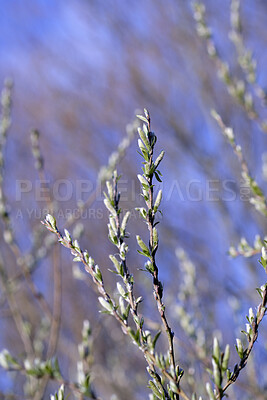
point(163, 369)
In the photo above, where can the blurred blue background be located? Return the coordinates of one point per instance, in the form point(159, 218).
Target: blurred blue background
point(81, 69)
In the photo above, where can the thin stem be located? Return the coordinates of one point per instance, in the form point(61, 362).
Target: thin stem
point(261, 310)
point(153, 246)
point(28, 278)
point(16, 314)
point(54, 332)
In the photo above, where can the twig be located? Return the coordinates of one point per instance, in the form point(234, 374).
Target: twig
point(15, 312)
point(261, 311)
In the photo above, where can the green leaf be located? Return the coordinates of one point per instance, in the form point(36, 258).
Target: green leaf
point(159, 159)
point(110, 207)
point(239, 348)
point(155, 390)
point(263, 262)
point(226, 357)
point(144, 154)
point(142, 245)
point(149, 267)
point(124, 222)
point(143, 181)
point(51, 221)
point(155, 237)
point(156, 339)
point(210, 391)
point(110, 190)
point(144, 253)
point(146, 114)
point(144, 139)
point(77, 259)
point(158, 200)
point(216, 350)
point(97, 274)
point(67, 236)
point(116, 263)
point(157, 177)
point(142, 118)
point(105, 304)
point(121, 290)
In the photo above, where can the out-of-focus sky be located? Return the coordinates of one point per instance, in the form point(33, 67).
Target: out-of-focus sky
point(82, 68)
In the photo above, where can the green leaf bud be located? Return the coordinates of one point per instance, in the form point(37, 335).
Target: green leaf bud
point(110, 207)
point(121, 290)
point(116, 263)
point(51, 221)
point(226, 357)
point(159, 158)
point(142, 180)
point(158, 200)
point(210, 391)
point(155, 237)
point(239, 348)
point(124, 222)
point(142, 244)
point(105, 304)
point(216, 350)
point(110, 190)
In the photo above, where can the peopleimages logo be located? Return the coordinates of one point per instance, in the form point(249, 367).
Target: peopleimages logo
point(195, 190)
